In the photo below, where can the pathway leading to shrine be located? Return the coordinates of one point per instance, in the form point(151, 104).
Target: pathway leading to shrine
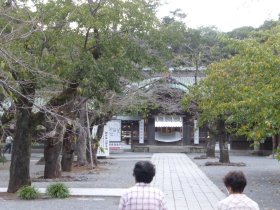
point(184, 184)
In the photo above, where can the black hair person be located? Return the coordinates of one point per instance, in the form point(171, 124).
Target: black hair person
point(144, 171)
point(235, 181)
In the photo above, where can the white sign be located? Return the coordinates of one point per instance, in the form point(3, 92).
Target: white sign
point(196, 133)
point(103, 149)
point(141, 132)
point(111, 133)
point(114, 129)
point(117, 146)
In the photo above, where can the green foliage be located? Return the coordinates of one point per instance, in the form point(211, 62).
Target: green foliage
point(28, 193)
point(3, 159)
point(58, 190)
point(143, 108)
point(244, 32)
point(102, 149)
point(244, 90)
point(269, 24)
point(93, 44)
point(197, 47)
point(278, 154)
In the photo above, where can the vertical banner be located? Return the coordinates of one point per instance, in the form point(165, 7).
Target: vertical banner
point(103, 149)
point(141, 132)
point(196, 133)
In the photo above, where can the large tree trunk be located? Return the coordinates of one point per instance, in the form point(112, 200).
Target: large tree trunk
point(81, 147)
point(277, 141)
point(19, 169)
point(96, 143)
point(53, 145)
point(223, 142)
point(88, 151)
point(210, 146)
point(26, 122)
point(68, 149)
point(94, 152)
point(52, 153)
point(275, 144)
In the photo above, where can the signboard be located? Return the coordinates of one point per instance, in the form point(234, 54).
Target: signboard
point(196, 133)
point(118, 146)
point(141, 132)
point(111, 133)
point(114, 130)
point(103, 149)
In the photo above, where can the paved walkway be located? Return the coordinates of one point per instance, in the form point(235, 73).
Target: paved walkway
point(185, 186)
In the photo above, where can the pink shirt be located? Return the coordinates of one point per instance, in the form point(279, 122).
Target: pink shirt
point(142, 197)
point(237, 202)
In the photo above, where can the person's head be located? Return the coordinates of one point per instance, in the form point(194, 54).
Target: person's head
point(235, 181)
point(144, 171)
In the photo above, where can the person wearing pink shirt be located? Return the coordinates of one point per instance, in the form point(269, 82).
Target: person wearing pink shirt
point(142, 196)
point(235, 183)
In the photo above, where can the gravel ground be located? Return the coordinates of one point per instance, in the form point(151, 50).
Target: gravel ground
point(81, 203)
point(115, 172)
point(263, 177)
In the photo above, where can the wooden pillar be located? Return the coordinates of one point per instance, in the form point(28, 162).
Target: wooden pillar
point(151, 130)
point(186, 131)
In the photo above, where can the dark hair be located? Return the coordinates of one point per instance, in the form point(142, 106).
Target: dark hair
point(236, 181)
point(144, 171)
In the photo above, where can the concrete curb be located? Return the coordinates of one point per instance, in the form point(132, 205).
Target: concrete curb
point(87, 191)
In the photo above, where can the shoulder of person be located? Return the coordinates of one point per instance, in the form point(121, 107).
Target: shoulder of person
point(224, 201)
point(158, 191)
point(254, 203)
point(129, 190)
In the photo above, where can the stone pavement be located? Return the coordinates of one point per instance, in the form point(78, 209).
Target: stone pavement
point(185, 186)
point(183, 183)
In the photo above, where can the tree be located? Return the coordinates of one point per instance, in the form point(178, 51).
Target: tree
point(78, 49)
point(198, 48)
point(12, 69)
point(269, 24)
point(243, 92)
point(195, 101)
point(158, 96)
point(244, 32)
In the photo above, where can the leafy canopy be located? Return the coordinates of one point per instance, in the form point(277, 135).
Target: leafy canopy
point(244, 90)
point(93, 43)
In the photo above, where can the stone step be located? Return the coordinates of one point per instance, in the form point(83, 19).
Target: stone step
point(168, 149)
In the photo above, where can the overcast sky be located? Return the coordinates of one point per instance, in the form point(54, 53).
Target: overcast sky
point(224, 14)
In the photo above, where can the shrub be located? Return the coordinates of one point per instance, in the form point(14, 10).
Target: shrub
point(58, 190)
point(3, 159)
point(28, 193)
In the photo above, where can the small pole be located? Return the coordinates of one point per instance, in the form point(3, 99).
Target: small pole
point(90, 137)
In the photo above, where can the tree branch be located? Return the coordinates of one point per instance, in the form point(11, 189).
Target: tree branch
point(94, 11)
point(86, 38)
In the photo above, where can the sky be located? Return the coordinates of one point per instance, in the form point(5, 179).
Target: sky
point(226, 15)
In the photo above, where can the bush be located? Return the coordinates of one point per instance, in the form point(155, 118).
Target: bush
point(3, 159)
point(58, 190)
point(28, 193)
